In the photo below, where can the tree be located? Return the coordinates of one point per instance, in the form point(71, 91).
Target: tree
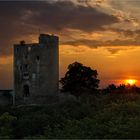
point(6, 125)
point(79, 78)
point(111, 88)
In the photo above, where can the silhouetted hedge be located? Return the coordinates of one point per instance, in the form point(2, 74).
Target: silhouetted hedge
point(110, 116)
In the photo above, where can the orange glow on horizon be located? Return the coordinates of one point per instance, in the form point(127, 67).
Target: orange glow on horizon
point(130, 82)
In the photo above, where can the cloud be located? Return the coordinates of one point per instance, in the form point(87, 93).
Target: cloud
point(128, 34)
point(24, 18)
point(97, 43)
point(65, 14)
point(116, 50)
point(125, 11)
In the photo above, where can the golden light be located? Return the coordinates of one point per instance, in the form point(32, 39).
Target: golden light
point(130, 81)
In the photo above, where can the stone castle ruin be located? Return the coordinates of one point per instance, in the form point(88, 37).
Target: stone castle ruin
point(36, 71)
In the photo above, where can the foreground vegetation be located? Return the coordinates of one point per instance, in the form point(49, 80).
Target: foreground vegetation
point(106, 116)
point(113, 112)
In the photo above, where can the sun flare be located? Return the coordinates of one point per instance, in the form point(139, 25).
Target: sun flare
point(130, 82)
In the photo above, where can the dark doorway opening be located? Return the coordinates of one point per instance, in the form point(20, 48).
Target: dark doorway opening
point(26, 90)
point(38, 58)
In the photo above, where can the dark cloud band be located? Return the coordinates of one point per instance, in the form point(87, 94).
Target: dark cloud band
point(24, 18)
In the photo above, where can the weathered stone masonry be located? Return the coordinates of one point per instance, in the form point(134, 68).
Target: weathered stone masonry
point(36, 70)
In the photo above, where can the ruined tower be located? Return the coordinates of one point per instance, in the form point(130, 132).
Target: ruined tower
point(36, 71)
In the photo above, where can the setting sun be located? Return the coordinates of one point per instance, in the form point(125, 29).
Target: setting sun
point(130, 81)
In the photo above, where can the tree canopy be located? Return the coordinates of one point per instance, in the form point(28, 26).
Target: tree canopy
point(79, 78)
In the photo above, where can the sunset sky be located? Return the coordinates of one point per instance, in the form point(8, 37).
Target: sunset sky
point(102, 34)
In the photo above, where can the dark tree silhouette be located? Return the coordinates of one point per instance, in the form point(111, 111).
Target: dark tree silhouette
point(111, 87)
point(79, 78)
point(122, 87)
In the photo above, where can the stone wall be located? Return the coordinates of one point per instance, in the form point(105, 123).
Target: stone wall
point(36, 70)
